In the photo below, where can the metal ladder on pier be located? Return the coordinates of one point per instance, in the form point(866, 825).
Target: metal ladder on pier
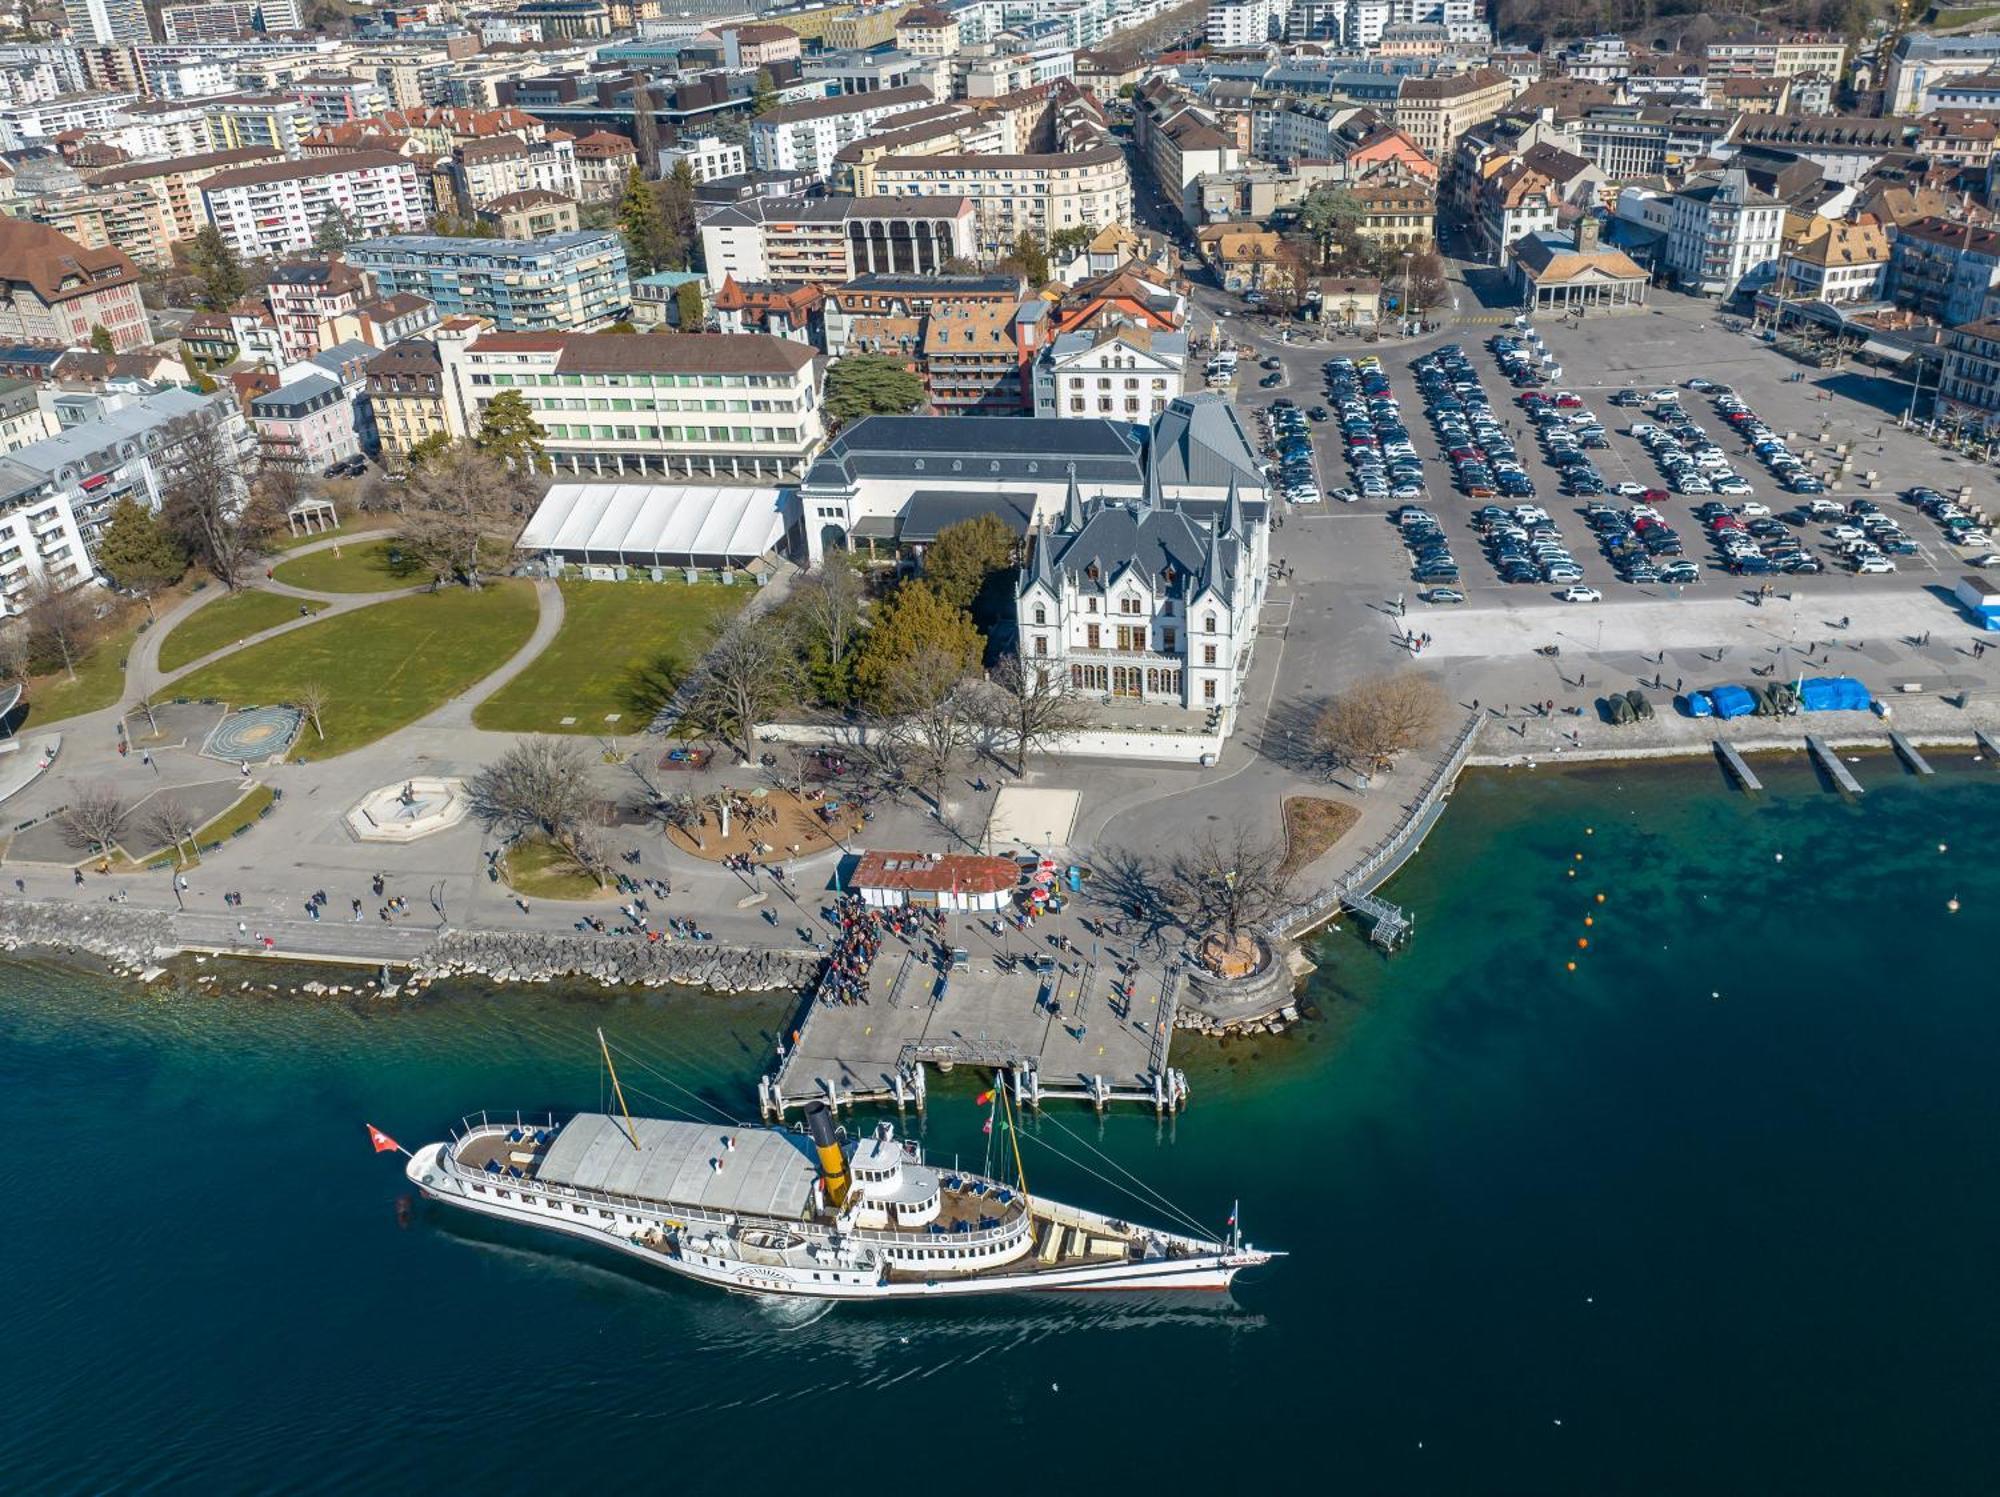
point(1388, 926)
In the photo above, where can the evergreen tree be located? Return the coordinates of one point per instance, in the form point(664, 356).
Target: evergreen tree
point(870, 384)
point(693, 311)
point(216, 265)
point(335, 232)
point(508, 428)
point(674, 198)
point(100, 338)
point(136, 551)
point(764, 93)
point(639, 221)
point(913, 621)
point(1028, 260)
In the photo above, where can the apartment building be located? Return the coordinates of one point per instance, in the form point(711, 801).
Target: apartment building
point(106, 23)
point(1434, 112)
point(277, 209)
point(405, 385)
point(1917, 60)
point(1777, 57)
point(273, 121)
point(1845, 147)
point(686, 406)
point(1396, 215)
point(709, 158)
point(1944, 268)
point(482, 170)
point(335, 98)
point(927, 31)
point(832, 240)
point(531, 215)
point(888, 313)
point(1014, 195)
point(175, 185)
point(226, 20)
point(1117, 370)
point(1971, 373)
point(1179, 142)
point(1837, 262)
point(38, 122)
point(1722, 232)
point(308, 298)
point(564, 282)
point(53, 290)
point(805, 136)
point(1243, 23)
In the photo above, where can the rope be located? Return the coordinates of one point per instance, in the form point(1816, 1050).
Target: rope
point(1149, 1190)
point(1185, 1220)
point(684, 1091)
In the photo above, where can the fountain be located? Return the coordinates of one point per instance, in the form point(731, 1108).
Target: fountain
point(409, 811)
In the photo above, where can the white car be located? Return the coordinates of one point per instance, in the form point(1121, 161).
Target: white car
point(1666, 394)
point(1581, 594)
point(1753, 510)
point(1845, 533)
point(1978, 539)
point(1985, 559)
point(1874, 564)
point(1628, 489)
point(1345, 496)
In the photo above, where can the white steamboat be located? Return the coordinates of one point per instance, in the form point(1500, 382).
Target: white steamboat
point(775, 1211)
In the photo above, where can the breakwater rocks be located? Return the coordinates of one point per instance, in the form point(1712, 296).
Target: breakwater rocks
point(114, 933)
point(521, 956)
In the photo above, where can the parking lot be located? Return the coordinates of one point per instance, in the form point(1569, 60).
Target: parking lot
point(1350, 566)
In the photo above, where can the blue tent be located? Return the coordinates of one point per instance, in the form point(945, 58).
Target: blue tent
point(1698, 704)
point(1732, 701)
point(1833, 694)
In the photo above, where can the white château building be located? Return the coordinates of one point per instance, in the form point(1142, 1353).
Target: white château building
point(1147, 601)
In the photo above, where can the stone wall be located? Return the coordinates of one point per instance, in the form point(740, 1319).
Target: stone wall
point(526, 956)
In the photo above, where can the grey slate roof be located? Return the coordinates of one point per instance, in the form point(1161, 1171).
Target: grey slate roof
point(767, 1173)
point(1201, 443)
point(987, 447)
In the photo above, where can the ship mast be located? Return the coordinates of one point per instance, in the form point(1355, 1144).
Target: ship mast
point(617, 1090)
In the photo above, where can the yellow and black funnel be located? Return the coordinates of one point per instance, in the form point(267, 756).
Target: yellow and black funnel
point(832, 1163)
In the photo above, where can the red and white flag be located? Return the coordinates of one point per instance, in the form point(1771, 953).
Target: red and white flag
point(383, 1143)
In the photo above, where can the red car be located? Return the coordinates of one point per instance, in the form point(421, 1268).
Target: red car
point(1569, 402)
point(1534, 398)
point(1654, 496)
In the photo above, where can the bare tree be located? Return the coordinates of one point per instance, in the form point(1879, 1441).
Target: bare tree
point(750, 672)
point(93, 819)
point(1226, 881)
point(1366, 726)
point(57, 625)
point(829, 601)
point(1033, 705)
point(312, 698)
point(586, 852)
point(453, 506)
point(543, 785)
point(146, 702)
point(168, 821)
point(206, 504)
point(931, 712)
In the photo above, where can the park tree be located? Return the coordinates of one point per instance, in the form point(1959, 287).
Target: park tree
point(1367, 725)
point(828, 603)
point(215, 265)
point(870, 384)
point(168, 821)
point(542, 786)
point(1028, 259)
point(1227, 881)
point(427, 449)
point(1426, 281)
point(750, 673)
point(509, 431)
point(93, 819)
point(57, 626)
point(675, 193)
point(101, 340)
point(1331, 218)
point(764, 93)
point(931, 709)
point(312, 698)
point(967, 557)
point(453, 506)
point(1032, 706)
point(139, 552)
point(914, 618)
point(205, 505)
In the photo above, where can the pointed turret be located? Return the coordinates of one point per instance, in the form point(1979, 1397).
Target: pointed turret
point(1232, 514)
point(1218, 577)
point(1149, 494)
point(1043, 572)
point(1072, 518)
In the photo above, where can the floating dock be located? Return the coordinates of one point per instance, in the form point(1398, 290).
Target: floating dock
point(1829, 761)
point(1738, 765)
point(1909, 752)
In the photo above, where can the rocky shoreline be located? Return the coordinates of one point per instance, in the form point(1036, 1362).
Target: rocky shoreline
point(112, 933)
point(513, 956)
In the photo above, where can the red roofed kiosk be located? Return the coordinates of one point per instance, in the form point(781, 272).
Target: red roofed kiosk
point(927, 881)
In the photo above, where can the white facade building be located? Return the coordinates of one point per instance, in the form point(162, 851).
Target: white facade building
point(1722, 231)
point(277, 208)
point(1244, 23)
point(806, 137)
point(1116, 372)
point(709, 158)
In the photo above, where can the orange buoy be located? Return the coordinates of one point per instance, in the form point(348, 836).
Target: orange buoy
point(1600, 899)
point(1590, 920)
point(1572, 966)
point(1583, 942)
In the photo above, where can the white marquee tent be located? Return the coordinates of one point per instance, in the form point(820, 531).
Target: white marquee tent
point(655, 524)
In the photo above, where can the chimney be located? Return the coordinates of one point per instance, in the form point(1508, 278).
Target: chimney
point(1586, 234)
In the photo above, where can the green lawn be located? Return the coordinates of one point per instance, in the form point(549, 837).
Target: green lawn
point(622, 647)
point(383, 666)
point(365, 568)
point(100, 679)
point(535, 870)
point(243, 814)
point(346, 527)
point(225, 621)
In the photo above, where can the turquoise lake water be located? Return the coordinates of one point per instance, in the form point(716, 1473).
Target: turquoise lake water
point(1714, 1213)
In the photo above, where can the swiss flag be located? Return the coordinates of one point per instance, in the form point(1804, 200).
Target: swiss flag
point(383, 1143)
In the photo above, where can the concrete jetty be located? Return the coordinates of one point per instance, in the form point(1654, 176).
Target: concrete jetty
point(1988, 745)
point(1738, 765)
point(1830, 762)
point(1909, 752)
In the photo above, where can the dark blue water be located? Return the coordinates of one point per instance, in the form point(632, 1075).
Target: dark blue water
point(1715, 1212)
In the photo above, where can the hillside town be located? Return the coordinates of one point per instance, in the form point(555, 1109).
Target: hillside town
point(985, 419)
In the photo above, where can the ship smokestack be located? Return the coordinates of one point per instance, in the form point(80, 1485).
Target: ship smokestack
point(832, 1163)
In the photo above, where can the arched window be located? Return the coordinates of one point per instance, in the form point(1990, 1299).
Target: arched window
point(1208, 623)
point(1041, 614)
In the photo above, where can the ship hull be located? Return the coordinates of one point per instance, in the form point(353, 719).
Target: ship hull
point(1211, 1272)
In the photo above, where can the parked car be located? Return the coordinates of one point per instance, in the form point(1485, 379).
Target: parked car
point(1581, 594)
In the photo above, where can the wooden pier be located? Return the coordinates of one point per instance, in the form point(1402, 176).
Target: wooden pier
point(1830, 762)
point(1909, 752)
point(1738, 765)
